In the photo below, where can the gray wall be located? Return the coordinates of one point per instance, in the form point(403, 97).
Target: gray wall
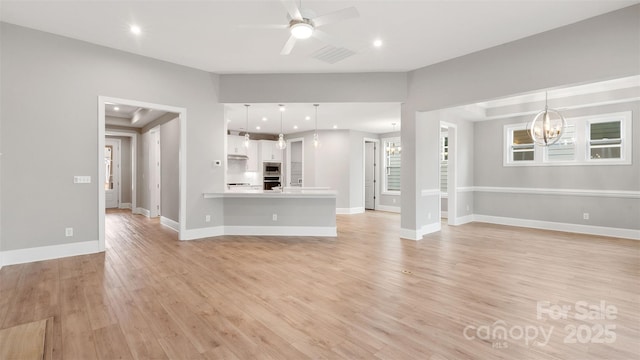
point(612, 212)
point(65, 77)
point(599, 48)
point(169, 149)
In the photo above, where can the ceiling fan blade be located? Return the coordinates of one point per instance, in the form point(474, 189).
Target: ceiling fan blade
point(264, 26)
point(344, 14)
point(292, 9)
point(326, 38)
point(286, 50)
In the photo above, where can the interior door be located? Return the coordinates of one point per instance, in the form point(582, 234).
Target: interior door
point(112, 173)
point(369, 175)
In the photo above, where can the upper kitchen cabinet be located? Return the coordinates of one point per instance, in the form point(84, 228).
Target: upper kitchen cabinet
point(235, 145)
point(269, 152)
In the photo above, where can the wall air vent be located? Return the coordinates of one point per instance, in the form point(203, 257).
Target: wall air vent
point(331, 54)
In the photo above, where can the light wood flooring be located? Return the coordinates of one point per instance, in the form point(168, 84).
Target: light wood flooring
point(364, 295)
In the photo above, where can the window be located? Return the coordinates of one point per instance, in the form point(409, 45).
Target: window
point(520, 145)
point(391, 165)
point(599, 139)
point(444, 159)
point(565, 148)
point(605, 140)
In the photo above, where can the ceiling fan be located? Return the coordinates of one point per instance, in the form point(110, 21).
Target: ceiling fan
point(303, 24)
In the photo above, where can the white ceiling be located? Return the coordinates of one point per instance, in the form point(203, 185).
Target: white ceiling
point(216, 35)
point(370, 117)
point(130, 116)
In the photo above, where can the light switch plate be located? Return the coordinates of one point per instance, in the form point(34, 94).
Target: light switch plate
point(82, 179)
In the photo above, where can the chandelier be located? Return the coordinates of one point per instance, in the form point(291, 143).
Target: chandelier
point(547, 126)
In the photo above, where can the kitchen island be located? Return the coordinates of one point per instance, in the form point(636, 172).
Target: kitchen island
point(288, 212)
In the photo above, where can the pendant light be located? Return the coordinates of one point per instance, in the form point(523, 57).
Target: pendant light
point(393, 149)
point(316, 141)
point(547, 126)
point(246, 133)
point(281, 144)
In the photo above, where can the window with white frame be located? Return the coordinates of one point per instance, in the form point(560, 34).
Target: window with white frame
point(444, 160)
point(391, 165)
point(590, 140)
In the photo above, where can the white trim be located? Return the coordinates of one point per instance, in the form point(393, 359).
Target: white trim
point(141, 211)
point(462, 189)
point(430, 192)
point(393, 209)
point(323, 231)
point(548, 225)
point(567, 192)
point(21, 256)
point(350, 211)
point(117, 171)
point(172, 224)
point(463, 220)
point(193, 234)
point(418, 234)
point(124, 206)
point(182, 161)
point(410, 234)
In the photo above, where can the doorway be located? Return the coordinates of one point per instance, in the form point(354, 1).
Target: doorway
point(447, 172)
point(295, 163)
point(112, 173)
point(370, 173)
point(181, 185)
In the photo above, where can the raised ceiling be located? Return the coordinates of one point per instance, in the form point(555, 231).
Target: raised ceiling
point(220, 37)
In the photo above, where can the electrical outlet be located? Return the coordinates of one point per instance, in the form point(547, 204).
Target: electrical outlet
point(68, 232)
point(429, 216)
point(393, 200)
point(468, 208)
point(274, 217)
point(585, 216)
point(207, 218)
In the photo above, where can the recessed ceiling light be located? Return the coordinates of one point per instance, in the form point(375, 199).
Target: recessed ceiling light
point(135, 29)
point(264, 118)
point(115, 108)
point(257, 127)
point(335, 126)
point(307, 117)
point(295, 126)
point(377, 43)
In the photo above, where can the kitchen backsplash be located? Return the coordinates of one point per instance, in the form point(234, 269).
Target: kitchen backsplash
point(236, 173)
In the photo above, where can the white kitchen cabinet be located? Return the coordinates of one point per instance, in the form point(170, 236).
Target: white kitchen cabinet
point(269, 152)
point(252, 153)
point(235, 145)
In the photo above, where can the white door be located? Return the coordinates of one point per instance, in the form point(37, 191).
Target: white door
point(112, 173)
point(295, 162)
point(154, 172)
point(369, 175)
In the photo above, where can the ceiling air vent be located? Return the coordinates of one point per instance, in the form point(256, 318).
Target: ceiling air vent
point(332, 54)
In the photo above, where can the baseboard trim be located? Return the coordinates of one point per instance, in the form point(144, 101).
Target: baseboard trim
point(349, 211)
point(417, 235)
point(124, 206)
point(387, 208)
point(463, 220)
point(323, 231)
point(173, 225)
point(141, 211)
point(22, 256)
point(566, 227)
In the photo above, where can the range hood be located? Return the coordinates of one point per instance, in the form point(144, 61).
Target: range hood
point(237, 157)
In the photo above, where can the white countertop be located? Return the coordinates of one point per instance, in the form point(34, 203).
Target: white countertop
point(288, 193)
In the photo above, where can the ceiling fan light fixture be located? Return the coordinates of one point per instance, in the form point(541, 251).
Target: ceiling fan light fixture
point(301, 29)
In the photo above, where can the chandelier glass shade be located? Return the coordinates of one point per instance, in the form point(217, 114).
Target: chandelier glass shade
point(547, 126)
